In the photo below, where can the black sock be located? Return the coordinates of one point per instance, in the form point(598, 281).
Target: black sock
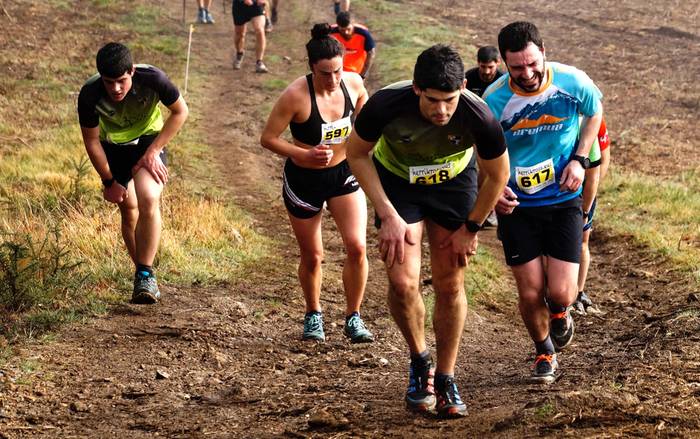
point(310, 313)
point(145, 268)
point(544, 347)
point(555, 308)
point(420, 358)
point(440, 380)
point(348, 317)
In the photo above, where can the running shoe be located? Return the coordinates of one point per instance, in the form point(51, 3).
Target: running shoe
point(420, 395)
point(237, 61)
point(356, 330)
point(579, 308)
point(274, 16)
point(561, 329)
point(449, 404)
point(313, 327)
point(336, 8)
point(145, 289)
point(260, 67)
point(209, 17)
point(201, 16)
point(584, 299)
point(544, 370)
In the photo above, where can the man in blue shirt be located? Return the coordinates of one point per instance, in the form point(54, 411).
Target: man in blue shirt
point(550, 114)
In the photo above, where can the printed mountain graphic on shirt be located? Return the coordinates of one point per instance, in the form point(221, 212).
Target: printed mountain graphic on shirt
point(538, 115)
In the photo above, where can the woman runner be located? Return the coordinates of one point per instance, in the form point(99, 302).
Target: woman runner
point(319, 109)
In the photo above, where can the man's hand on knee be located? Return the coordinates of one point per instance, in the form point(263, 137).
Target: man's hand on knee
point(463, 245)
point(154, 165)
point(392, 236)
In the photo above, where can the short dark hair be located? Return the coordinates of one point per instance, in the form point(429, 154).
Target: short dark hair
point(439, 67)
point(487, 54)
point(343, 19)
point(322, 45)
point(113, 60)
point(517, 35)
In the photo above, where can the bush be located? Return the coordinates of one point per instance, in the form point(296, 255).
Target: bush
point(35, 272)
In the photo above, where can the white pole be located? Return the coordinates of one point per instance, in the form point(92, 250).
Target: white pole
point(187, 65)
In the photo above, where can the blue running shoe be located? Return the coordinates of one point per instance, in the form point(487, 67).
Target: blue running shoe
point(449, 404)
point(209, 17)
point(201, 16)
point(313, 326)
point(356, 331)
point(145, 289)
point(420, 395)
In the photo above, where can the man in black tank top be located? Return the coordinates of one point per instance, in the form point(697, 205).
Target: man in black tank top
point(318, 108)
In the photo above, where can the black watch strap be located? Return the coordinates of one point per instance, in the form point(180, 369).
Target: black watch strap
point(585, 161)
point(472, 226)
point(107, 182)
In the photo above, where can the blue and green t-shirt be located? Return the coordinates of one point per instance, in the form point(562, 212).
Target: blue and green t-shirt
point(542, 130)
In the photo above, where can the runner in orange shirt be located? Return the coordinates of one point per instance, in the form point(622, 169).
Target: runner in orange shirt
point(358, 42)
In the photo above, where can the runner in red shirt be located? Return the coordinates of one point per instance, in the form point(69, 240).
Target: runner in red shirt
point(583, 302)
point(358, 42)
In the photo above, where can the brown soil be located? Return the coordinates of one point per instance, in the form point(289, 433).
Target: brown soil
point(228, 362)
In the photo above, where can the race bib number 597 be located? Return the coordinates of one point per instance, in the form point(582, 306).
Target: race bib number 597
point(336, 132)
point(533, 179)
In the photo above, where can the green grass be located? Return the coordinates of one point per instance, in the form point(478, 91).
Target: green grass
point(46, 185)
point(402, 34)
point(545, 411)
point(660, 214)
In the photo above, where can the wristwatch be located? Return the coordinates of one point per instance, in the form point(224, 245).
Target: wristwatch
point(585, 161)
point(107, 182)
point(472, 226)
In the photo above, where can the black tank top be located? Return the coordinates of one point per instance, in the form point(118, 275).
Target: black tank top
point(309, 132)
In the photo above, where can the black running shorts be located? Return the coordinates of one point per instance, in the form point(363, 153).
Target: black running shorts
point(243, 13)
point(554, 231)
point(305, 190)
point(447, 204)
point(121, 158)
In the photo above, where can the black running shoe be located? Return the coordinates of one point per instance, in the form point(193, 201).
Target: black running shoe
point(449, 404)
point(545, 369)
point(561, 329)
point(420, 395)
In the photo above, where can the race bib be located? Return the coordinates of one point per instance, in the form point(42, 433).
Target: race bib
point(533, 179)
point(336, 132)
point(430, 174)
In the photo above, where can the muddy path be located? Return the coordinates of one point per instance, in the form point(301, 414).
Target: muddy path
point(228, 362)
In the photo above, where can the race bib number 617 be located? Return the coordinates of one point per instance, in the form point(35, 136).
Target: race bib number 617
point(533, 179)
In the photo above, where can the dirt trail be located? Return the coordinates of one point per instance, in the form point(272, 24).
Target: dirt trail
point(228, 362)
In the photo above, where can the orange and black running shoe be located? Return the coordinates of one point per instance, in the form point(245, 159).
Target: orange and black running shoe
point(545, 369)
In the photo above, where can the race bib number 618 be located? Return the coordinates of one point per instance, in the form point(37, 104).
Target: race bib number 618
point(430, 174)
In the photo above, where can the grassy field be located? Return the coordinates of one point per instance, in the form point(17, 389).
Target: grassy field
point(61, 253)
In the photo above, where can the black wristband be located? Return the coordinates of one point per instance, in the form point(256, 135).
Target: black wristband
point(107, 182)
point(472, 226)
